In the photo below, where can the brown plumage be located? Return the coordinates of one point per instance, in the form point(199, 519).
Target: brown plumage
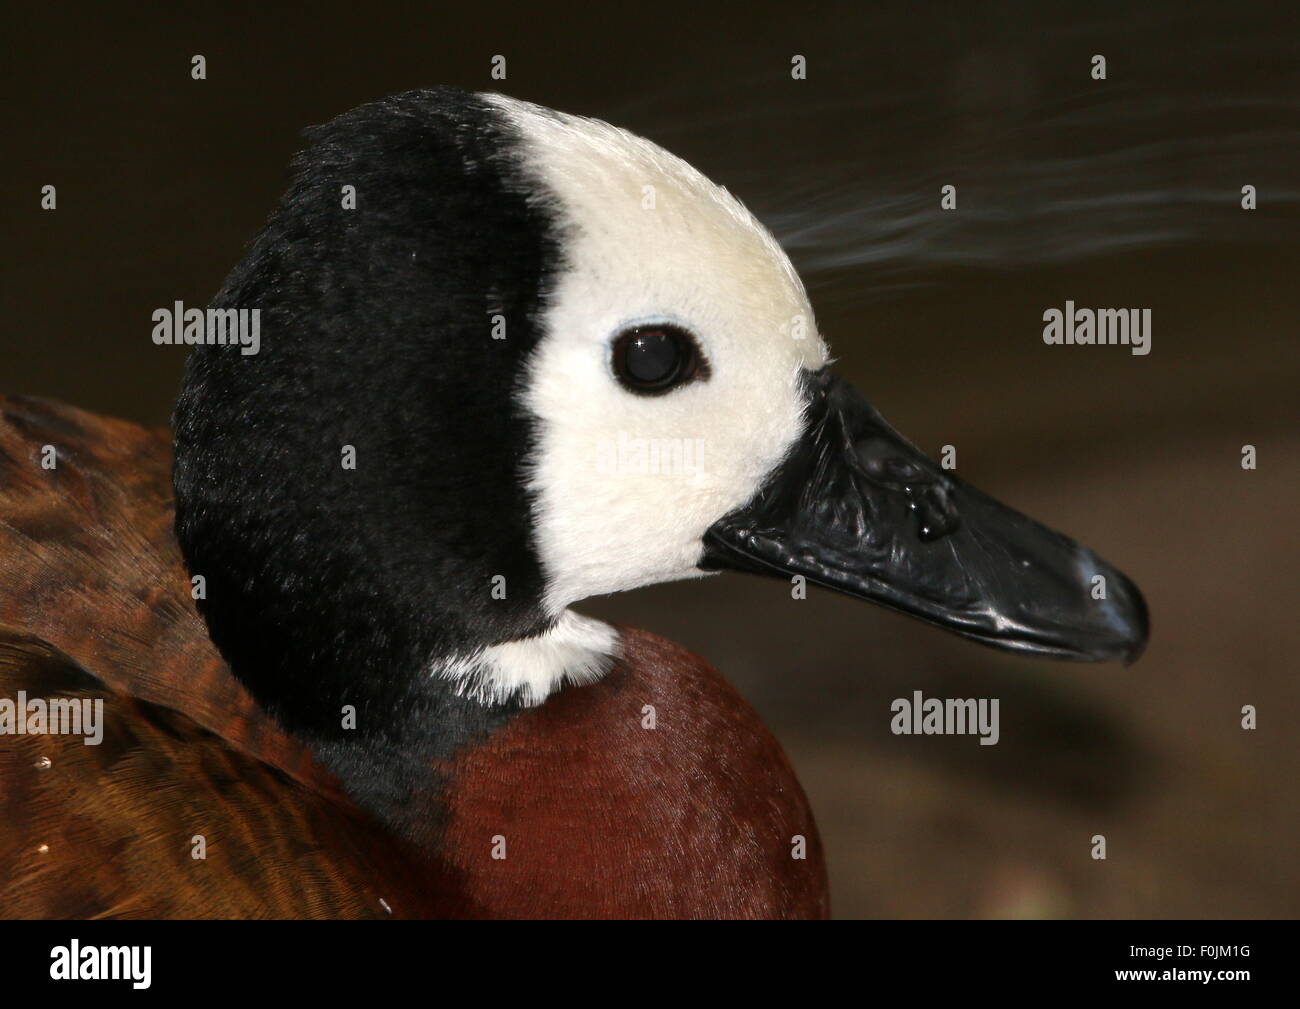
point(600, 817)
point(111, 830)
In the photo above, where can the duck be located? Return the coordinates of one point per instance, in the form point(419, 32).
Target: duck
point(330, 615)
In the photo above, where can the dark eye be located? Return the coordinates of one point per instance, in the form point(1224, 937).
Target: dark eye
point(656, 358)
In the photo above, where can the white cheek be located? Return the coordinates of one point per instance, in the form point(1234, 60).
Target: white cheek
point(625, 486)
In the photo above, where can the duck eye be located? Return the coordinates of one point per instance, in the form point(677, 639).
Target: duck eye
point(654, 359)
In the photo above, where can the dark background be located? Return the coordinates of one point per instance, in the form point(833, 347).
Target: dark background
point(1122, 193)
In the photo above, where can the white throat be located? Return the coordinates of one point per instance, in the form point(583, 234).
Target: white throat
point(577, 650)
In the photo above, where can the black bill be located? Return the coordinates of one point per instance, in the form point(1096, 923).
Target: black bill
point(856, 507)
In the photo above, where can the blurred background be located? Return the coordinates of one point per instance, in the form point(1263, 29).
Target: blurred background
point(1117, 193)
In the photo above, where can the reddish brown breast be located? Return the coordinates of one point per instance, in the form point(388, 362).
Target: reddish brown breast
point(580, 809)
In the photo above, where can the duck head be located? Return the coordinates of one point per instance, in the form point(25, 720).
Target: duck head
point(531, 359)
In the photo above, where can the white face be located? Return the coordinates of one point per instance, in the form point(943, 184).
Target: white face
point(614, 514)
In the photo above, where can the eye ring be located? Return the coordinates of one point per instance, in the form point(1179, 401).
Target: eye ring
point(651, 359)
